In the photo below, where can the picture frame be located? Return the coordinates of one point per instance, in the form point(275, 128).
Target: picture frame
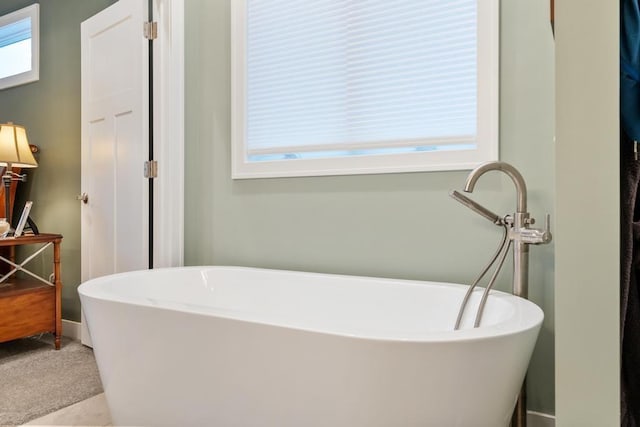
point(23, 219)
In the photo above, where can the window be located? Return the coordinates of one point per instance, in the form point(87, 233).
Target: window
point(335, 87)
point(19, 47)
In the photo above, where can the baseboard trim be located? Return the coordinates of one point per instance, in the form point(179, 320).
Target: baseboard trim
point(538, 419)
point(71, 329)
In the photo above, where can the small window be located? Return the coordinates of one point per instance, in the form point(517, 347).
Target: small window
point(19, 47)
point(338, 87)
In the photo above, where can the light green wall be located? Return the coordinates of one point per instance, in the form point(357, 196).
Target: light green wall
point(50, 110)
point(400, 225)
point(394, 225)
point(587, 190)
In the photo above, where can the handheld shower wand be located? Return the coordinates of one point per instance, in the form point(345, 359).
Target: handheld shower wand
point(476, 207)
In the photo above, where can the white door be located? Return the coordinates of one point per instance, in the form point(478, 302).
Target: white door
point(115, 131)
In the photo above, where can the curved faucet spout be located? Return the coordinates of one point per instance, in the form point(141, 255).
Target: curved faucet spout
point(516, 177)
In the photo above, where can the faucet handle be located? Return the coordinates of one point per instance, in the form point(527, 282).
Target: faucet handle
point(536, 236)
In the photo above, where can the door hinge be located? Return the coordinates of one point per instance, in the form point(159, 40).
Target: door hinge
point(150, 30)
point(151, 169)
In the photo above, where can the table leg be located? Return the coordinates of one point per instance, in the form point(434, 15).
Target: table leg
point(58, 284)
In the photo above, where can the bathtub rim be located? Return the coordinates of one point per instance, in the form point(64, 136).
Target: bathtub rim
point(509, 326)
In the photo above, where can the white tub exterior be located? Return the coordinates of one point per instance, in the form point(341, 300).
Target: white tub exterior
point(233, 346)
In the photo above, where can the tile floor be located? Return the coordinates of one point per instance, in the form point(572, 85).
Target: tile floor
point(90, 412)
point(94, 412)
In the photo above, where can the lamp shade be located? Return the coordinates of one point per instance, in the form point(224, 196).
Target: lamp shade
point(14, 147)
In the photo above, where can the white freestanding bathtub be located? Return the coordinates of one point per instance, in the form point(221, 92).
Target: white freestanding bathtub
point(232, 346)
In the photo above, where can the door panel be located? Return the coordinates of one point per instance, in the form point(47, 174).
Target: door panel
point(115, 123)
point(100, 227)
point(131, 247)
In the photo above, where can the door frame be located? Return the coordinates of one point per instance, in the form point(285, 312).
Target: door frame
point(168, 106)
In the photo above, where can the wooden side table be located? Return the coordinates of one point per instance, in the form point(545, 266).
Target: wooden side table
point(31, 304)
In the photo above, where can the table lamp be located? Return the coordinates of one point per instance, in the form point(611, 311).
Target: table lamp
point(14, 152)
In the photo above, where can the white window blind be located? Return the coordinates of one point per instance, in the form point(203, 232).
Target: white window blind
point(387, 83)
point(19, 47)
point(15, 48)
point(15, 32)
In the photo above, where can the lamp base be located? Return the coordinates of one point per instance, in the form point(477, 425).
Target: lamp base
point(6, 180)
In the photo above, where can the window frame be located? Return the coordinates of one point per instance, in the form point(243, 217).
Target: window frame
point(487, 117)
point(33, 12)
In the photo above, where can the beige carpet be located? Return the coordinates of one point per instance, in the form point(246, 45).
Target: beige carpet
point(35, 379)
